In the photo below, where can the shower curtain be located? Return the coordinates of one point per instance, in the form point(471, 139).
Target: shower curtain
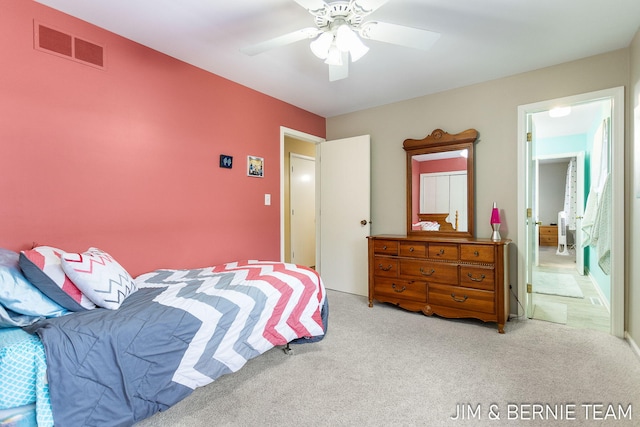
point(571, 195)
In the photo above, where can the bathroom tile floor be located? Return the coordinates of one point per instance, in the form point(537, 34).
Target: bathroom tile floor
point(589, 312)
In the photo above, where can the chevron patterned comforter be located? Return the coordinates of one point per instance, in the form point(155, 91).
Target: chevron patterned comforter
point(182, 329)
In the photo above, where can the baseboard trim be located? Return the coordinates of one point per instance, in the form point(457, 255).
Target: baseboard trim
point(603, 298)
point(632, 343)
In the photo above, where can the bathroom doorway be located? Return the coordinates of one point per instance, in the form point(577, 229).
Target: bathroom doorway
point(596, 299)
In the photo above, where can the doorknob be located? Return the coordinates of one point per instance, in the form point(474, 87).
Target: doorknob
point(364, 222)
point(538, 223)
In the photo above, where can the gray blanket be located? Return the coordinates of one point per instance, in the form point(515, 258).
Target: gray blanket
point(182, 329)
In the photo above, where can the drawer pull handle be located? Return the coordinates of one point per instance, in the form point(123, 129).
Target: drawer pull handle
point(385, 269)
point(384, 248)
point(427, 274)
point(441, 252)
point(456, 299)
point(476, 253)
point(475, 279)
point(411, 249)
point(395, 289)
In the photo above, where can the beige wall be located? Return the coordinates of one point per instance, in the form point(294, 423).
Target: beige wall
point(633, 157)
point(489, 107)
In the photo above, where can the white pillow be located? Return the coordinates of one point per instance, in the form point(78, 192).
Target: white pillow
point(99, 277)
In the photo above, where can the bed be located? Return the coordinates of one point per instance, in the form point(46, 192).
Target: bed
point(173, 331)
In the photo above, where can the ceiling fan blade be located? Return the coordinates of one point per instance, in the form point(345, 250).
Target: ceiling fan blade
point(285, 39)
point(368, 6)
point(339, 72)
point(313, 6)
point(399, 34)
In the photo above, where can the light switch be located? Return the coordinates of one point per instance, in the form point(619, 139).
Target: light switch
point(267, 199)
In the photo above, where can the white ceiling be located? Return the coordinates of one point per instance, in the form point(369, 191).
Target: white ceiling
point(583, 118)
point(480, 41)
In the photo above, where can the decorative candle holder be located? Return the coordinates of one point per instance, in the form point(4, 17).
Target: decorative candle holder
point(495, 223)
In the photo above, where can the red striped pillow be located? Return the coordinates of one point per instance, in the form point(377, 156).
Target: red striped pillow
point(41, 265)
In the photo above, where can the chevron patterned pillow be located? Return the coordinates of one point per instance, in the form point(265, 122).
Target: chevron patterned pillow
point(99, 277)
point(41, 266)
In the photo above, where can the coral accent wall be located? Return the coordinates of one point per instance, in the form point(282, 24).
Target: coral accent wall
point(127, 158)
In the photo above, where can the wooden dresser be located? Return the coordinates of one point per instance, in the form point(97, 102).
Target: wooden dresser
point(548, 235)
point(450, 277)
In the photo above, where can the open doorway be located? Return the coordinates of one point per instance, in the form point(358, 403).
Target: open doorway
point(564, 289)
point(299, 242)
point(301, 214)
point(557, 256)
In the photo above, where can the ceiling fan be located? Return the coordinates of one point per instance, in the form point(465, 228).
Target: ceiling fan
point(339, 30)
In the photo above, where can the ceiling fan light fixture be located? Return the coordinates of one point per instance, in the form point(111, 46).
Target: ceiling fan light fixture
point(340, 30)
point(334, 57)
point(320, 46)
point(345, 37)
point(348, 41)
point(358, 50)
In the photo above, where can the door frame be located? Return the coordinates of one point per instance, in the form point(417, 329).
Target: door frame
point(313, 139)
point(616, 95)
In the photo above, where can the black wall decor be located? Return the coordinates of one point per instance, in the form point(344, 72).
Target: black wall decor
point(226, 161)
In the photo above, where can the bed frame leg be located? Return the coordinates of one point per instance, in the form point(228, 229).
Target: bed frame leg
point(288, 350)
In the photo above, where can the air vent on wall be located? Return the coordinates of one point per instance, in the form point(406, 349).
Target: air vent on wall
point(47, 39)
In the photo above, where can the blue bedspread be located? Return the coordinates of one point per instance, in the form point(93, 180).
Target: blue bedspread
point(23, 374)
point(182, 329)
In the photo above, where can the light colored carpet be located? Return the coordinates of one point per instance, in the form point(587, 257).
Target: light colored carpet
point(556, 284)
point(384, 366)
point(550, 312)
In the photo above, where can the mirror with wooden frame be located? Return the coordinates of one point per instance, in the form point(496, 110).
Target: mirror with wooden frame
point(440, 187)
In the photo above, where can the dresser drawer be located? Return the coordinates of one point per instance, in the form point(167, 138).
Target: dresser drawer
point(413, 249)
point(477, 277)
point(551, 230)
point(385, 247)
point(414, 290)
point(443, 251)
point(385, 266)
point(477, 253)
point(430, 271)
point(548, 240)
point(462, 298)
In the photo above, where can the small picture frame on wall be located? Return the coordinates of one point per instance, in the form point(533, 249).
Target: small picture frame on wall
point(226, 161)
point(255, 166)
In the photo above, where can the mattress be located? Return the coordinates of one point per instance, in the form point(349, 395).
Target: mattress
point(23, 374)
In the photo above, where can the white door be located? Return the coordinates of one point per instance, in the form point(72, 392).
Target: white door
point(531, 170)
point(345, 203)
point(536, 204)
point(302, 196)
point(580, 200)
